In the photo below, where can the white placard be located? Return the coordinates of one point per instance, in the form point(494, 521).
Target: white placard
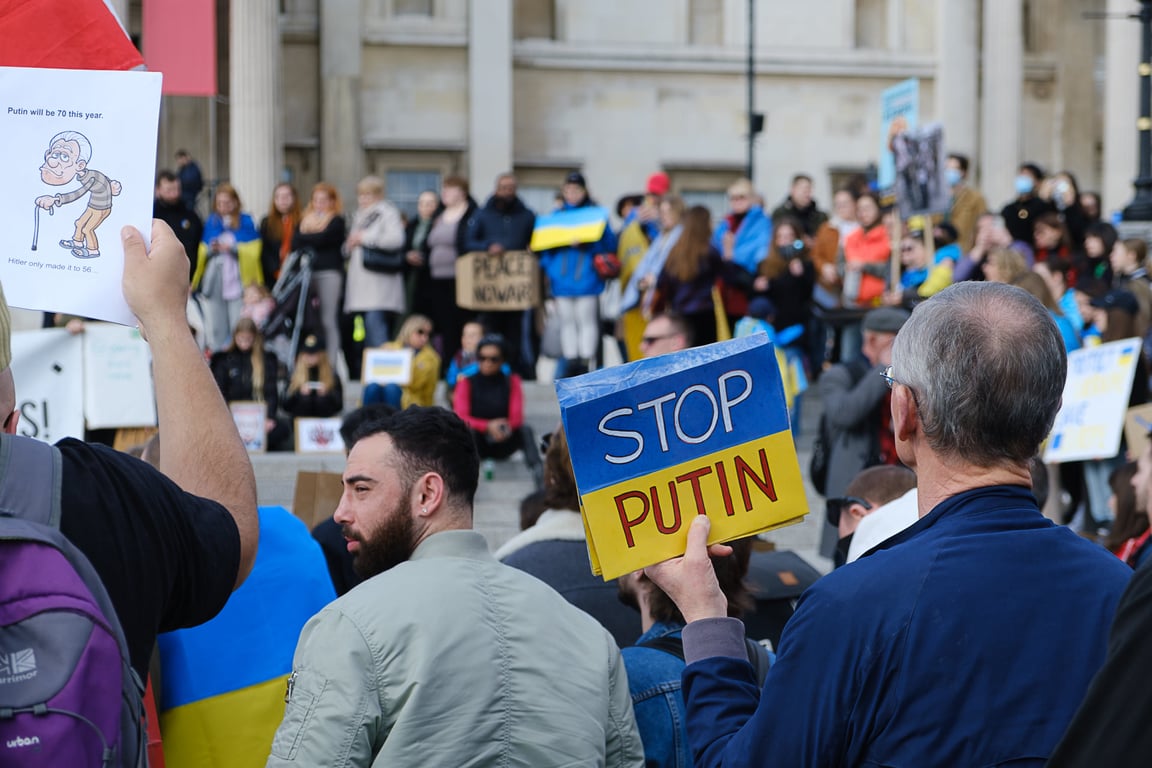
point(117, 378)
point(48, 367)
point(1091, 418)
point(77, 160)
point(319, 435)
point(387, 366)
point(250, 418)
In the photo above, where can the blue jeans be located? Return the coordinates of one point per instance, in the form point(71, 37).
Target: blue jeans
point(375, 328)
point(390, 394)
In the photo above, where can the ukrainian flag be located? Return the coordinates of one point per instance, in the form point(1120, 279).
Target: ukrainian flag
point(568, 226)
point(223, 682)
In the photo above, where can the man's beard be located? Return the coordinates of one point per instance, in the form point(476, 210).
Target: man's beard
point(386, 547)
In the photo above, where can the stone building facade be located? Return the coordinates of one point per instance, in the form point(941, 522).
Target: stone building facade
point(417, 89)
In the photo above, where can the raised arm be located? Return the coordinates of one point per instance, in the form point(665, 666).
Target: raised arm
point(203, 453)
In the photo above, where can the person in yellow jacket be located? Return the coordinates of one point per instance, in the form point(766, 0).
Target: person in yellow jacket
point(421, 387)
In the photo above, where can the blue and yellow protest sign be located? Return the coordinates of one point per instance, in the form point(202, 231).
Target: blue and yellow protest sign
point(1091, 417)
point(653, 442)
point(567, 226)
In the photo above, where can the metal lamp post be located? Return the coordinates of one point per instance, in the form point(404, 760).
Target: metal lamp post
point(1140, 209)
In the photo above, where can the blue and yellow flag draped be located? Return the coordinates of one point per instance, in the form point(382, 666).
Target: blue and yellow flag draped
point(222, 683)
point(567, 226)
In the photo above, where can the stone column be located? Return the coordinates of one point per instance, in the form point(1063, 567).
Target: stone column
point(489, 92)
point(1001, 107)
point(1121, 105)
point(957, 62)
point(341, 143)
point(255, 146)
point(895, 24)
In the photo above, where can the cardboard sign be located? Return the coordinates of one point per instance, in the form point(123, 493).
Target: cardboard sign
point(919, 160)
point(1137, 425)
point(1095, 402)
point(48, 367)
point(506, 282)
point(249, 418)
point(316, 496)
point(703, 431)
point(118, 388)
point(383, 365)
point(319, 435)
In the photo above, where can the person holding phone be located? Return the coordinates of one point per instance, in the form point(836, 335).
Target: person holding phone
point(315, 389)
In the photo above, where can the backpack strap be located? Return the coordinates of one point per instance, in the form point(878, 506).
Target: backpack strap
point(757, 653)
point(30, 480)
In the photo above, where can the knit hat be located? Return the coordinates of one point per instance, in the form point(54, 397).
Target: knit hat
point(576, 178)
point(885, 320)
point(659, 184)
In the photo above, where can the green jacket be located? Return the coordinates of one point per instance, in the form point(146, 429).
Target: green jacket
point(453, 659)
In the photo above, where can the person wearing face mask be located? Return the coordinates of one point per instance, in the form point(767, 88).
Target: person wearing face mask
point(1020, 215)
point(967, 202)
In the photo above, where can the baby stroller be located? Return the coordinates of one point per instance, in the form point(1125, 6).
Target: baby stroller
point(297, 310)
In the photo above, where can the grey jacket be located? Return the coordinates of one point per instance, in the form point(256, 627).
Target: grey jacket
point(453, 659)
point(852, 412)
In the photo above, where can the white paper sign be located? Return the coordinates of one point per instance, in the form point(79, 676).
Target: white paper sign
point(117, 378)
point(77, 163)
point(48, 367)
point(1091, 418)
point(250, 418)
point(318, 436)
point(387, 366)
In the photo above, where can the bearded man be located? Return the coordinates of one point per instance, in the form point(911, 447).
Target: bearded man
point(444, 656)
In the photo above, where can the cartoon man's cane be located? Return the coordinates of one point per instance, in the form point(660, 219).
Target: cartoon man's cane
point(36, 226)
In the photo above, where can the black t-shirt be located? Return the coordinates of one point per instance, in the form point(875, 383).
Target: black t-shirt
point(168, 559)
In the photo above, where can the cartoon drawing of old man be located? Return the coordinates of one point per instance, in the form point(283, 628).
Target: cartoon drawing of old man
point(67, 159)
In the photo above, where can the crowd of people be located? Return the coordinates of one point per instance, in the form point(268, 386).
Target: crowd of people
point(939, 385)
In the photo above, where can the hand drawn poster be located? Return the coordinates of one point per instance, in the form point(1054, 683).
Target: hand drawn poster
point(1091, 417)
point(77, 163)
point(654, 442)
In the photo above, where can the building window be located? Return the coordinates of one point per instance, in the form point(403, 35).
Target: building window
point(403, 188)
point(533, 19)
point(540, 199)
point(412, 7)
point(716, 201)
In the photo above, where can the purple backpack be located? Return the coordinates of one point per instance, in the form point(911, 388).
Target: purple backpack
point(68, 694)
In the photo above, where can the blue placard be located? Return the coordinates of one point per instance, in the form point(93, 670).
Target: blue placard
point(638, 418)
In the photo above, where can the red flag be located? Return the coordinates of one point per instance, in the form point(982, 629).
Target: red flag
point(64, 34)
point(180, 41)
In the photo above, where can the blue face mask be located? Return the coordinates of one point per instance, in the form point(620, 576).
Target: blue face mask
point(953, 176)
point(1024, 184)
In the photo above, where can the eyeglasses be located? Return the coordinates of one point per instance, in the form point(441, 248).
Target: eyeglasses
point(886, 373)
point(489, 358)
point(545, 441)
point(646, 340)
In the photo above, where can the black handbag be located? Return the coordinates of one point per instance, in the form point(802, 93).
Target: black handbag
point(384, 261)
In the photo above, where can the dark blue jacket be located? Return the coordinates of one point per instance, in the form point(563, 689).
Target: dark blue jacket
point(511, 228)
point(968, 639)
